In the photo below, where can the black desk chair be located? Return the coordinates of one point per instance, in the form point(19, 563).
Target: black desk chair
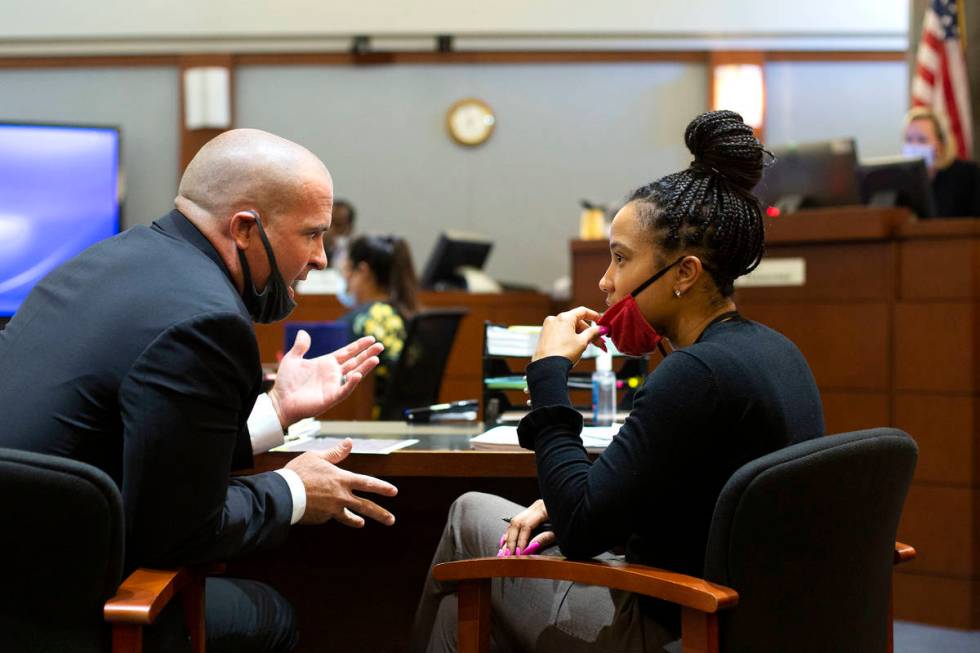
point(62, 548)
point(417, 376)
point(802, 540)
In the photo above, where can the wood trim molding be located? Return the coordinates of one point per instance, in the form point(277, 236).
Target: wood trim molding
point(191, 140)
point(115, 61)
point(474, 57)
point(723, 57)
point(836, 55)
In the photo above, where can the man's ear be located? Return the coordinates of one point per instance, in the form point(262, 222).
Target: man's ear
point(241, 226)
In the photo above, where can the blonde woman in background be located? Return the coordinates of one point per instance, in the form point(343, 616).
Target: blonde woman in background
point(955, 182)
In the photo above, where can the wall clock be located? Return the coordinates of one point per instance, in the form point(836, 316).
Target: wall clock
point(470, 121)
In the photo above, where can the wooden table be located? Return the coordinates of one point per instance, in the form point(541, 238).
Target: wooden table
point(442, 451)
point(356, 589)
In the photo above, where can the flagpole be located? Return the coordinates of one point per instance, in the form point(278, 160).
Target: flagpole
point(961, 19)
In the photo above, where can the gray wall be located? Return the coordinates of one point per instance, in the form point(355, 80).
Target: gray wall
point(141, 101)
point(564, 132)
point(817, 100)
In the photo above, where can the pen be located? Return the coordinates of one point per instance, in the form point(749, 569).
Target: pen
point(425, 413)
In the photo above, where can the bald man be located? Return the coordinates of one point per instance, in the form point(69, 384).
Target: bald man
point(139, 357)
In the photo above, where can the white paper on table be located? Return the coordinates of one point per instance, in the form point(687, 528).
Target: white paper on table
point(504, 438)
point(304, 427)
point(361, 445)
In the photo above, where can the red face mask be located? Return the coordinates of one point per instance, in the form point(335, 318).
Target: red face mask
point(625, 324)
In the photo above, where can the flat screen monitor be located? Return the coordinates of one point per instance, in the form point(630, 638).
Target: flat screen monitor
point(898, 181)
point(59, 194)
point(811, 175)
point(454, 250)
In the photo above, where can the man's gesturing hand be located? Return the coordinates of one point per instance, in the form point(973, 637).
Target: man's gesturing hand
point(330, 489)
point(307, 387)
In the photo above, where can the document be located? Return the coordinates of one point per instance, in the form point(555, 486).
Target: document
point(361, 445)
point(520, 341)
point(512, 341)
point(504, 438)
point(515, 416)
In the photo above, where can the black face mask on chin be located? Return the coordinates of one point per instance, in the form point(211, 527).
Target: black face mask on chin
point(273, 303)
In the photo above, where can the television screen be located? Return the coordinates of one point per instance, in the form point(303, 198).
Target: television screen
point(811, 175)
point(454, 251)
point(59, 194)
point(898, 181)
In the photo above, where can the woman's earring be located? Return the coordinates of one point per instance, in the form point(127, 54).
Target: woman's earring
point(677, 293)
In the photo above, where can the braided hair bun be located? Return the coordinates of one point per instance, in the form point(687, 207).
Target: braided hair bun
point(721, 142)
point(709, 209)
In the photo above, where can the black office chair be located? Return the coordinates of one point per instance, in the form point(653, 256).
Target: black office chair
point(417, 376)
point(62, 548)
point(802, 540)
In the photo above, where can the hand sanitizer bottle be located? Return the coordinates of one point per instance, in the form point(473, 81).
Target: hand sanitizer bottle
point(603, 391)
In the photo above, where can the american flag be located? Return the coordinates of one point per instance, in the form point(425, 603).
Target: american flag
point(941, 81)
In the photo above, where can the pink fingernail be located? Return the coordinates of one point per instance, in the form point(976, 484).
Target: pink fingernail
point(506, 553)
point(519, 551)
point(531, 548)
point(500, 553)
point(603, 330)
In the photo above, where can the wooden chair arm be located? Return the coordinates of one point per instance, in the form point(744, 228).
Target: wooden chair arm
point(144, 594)
point(686, 591)
point(903, 553)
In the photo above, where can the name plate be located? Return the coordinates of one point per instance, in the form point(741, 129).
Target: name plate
point(775, 273)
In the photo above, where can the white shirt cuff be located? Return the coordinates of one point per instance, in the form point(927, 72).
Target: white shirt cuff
point(264, 428)
point(298, 491)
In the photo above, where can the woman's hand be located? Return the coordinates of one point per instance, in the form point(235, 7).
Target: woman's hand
point(567, 334)
point(517, 539)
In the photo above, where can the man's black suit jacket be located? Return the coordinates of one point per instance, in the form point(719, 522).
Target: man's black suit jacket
point(139, 357)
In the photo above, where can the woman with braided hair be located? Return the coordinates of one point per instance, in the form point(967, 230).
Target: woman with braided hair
point(730, 391)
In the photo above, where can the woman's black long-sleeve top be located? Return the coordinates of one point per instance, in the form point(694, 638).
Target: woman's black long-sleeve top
point(741, 391)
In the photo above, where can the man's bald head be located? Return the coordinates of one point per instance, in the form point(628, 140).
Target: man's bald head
point(250, 169)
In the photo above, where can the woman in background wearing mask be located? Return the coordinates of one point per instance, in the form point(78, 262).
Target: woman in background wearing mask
point(731, 390)
point(381, 291)
point(955, 182)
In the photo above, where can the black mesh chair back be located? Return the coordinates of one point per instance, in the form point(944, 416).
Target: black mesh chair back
point(417, 376)
point(806, 535)
point(62, 548)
